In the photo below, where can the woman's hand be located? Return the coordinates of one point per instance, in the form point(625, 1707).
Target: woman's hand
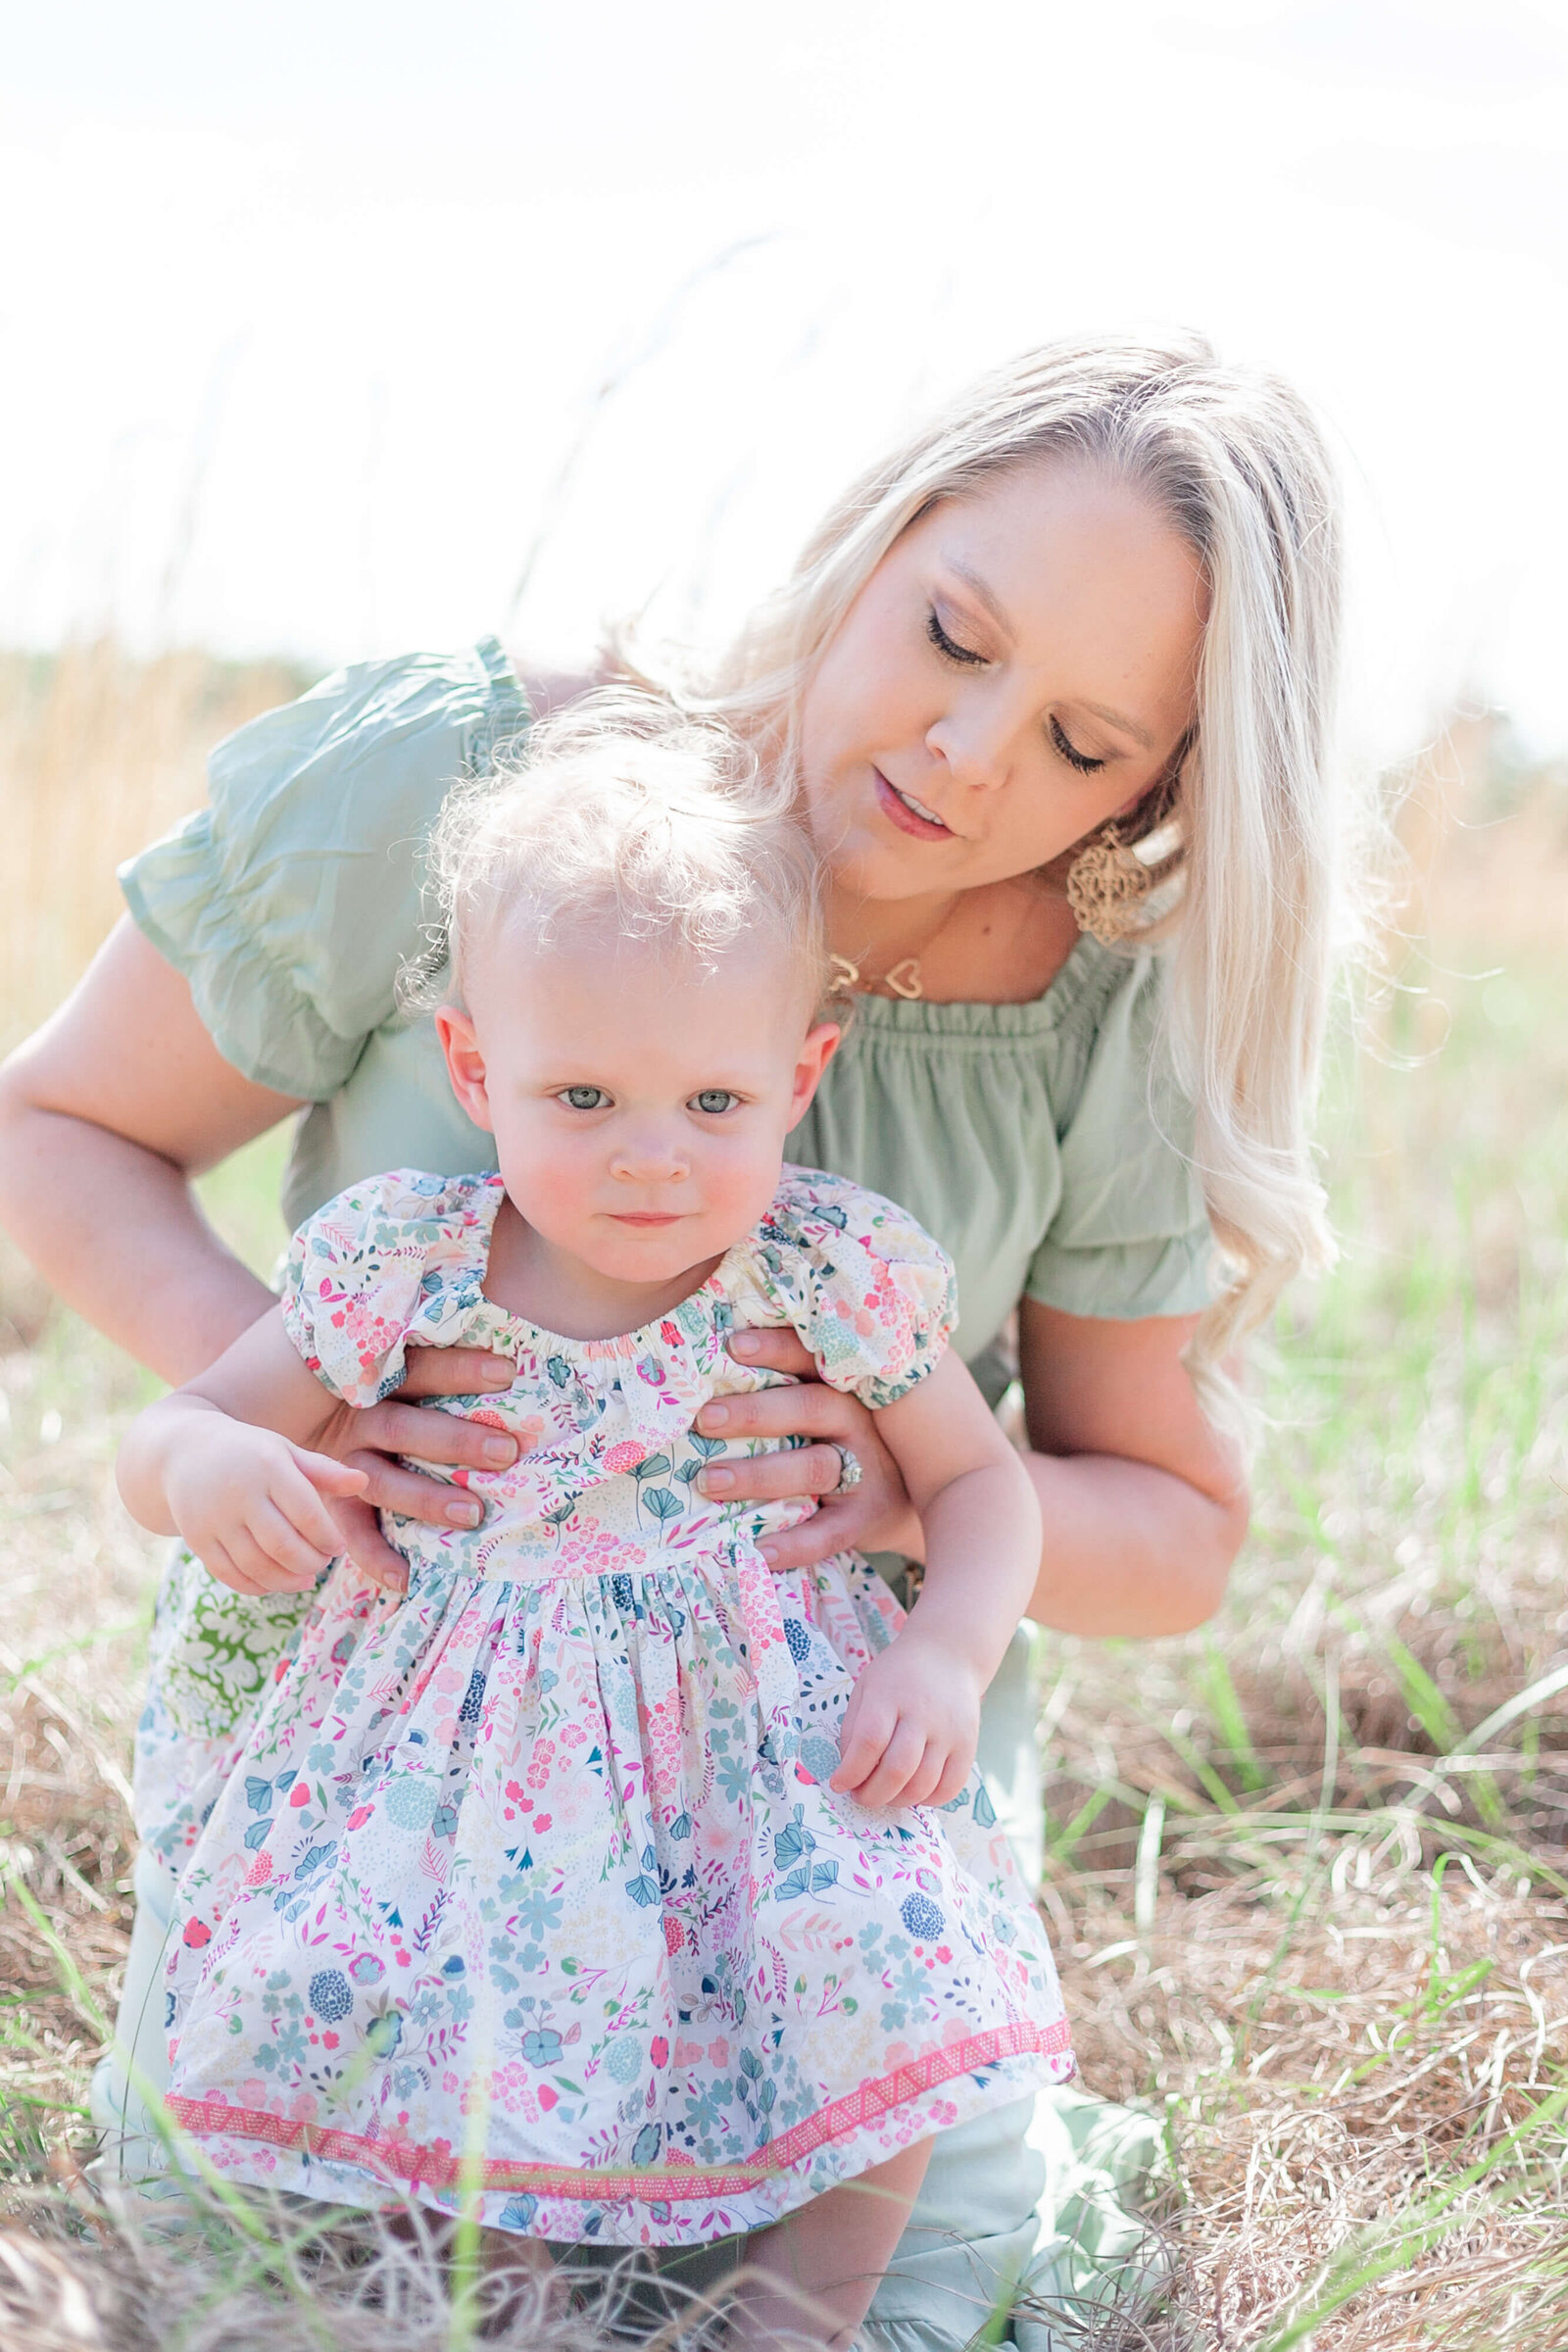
point(873, 1516)
point(370, 1441)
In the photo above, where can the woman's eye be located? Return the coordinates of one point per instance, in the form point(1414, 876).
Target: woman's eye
point(1074, 758)
point(948, 647)
point(713, 1100)
point(583, 1098)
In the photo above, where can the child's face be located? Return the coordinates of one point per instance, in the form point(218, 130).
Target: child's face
point(639, 1103)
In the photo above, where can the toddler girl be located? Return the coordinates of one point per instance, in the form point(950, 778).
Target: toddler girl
point(638, 1894)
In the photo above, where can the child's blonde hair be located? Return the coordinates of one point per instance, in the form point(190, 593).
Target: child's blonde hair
point(1236, 460)
point(621, 814)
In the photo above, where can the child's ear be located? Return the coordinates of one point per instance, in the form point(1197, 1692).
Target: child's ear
point(465, 1064)
point(821, 1044)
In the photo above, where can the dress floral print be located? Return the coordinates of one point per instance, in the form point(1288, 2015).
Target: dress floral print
point(530, 1885)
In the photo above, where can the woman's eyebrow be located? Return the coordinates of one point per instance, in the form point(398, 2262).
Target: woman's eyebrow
point(972, 580)
point(1114, 719)
point(1118, 718)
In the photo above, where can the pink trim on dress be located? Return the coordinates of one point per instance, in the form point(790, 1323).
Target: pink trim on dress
point(439, 2168)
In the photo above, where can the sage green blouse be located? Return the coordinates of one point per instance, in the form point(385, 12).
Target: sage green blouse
point(1043, 1144)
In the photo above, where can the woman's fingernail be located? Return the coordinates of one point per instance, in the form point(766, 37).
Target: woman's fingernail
point(717, 1482)
point(714, 1416)
point(769, 1552)
point(743, 1342)
point(462, 1514)
point(500, 1375)
point(500, 1449)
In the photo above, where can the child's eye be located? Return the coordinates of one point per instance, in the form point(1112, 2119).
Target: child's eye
point(713, 1100)
point(583, 1098)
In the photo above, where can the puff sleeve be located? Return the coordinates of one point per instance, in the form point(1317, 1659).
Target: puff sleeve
point(290, 900)
point(1130, 1236)
point(870, 1293)
point(399, 1258)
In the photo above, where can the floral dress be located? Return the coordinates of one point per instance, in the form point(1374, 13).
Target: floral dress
point(530, 1885)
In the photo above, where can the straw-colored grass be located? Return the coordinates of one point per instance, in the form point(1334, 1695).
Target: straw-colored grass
point(99, 754)
point(1308, 1871)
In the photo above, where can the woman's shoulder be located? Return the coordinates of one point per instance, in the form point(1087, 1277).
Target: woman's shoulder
point(290, 901)
point(1107, 1033)
point(360, 741)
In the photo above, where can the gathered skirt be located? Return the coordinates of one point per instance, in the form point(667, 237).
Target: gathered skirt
point(532, 1892)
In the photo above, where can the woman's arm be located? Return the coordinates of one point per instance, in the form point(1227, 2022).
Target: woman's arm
point(106, 1115)
point(1145, 1505)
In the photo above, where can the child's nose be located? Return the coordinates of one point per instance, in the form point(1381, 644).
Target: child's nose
point(655, 1155)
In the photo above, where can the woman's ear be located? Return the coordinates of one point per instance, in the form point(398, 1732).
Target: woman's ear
point(465, 1064)
point(816, 1054)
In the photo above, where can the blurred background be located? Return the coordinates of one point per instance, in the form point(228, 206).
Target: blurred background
point(330, 330)
point(319, 323)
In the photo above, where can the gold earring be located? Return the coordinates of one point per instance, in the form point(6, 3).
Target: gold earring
point(1109, 879)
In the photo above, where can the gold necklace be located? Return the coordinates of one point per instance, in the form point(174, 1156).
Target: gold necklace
point(902, 979)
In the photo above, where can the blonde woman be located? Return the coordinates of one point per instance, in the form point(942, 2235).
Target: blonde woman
point(1053, 684)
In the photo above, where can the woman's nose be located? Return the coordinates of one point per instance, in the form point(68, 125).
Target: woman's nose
point(974, 744)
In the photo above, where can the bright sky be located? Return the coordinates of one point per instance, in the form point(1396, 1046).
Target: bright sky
point(310, 310)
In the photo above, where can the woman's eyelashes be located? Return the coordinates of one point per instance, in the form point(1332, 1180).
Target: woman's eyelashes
point(1080, 760)
point(948, 647)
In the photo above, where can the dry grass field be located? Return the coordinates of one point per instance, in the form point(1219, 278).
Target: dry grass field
point(1308, 1869)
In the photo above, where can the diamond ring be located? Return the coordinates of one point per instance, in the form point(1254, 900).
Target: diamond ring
point(850, 1471)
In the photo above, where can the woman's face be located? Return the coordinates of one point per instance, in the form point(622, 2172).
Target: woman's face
point(1019, 668)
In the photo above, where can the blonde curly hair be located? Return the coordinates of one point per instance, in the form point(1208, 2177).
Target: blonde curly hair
point(621, 813)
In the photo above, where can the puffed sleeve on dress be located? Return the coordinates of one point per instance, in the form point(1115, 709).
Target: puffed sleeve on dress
point(399, 1258)
point(291, 900)
point(869, 1292)
point(1131, 1235)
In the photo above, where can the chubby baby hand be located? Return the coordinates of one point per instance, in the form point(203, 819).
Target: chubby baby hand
point(253, 1507)
point(911, 1725)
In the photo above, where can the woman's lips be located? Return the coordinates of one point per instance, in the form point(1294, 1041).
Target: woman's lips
point(897, 813)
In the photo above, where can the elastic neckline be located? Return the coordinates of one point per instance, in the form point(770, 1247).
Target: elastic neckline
point(544, 1341)
point(1090, 972)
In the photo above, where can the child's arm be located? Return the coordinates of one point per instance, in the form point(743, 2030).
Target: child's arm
point(914, 1718)
point(224, 1462)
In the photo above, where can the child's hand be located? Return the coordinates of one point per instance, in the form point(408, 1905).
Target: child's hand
point(911, 1728)
point(250, 1505)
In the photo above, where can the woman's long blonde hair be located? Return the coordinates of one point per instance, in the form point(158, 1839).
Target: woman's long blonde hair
point(1238, 463)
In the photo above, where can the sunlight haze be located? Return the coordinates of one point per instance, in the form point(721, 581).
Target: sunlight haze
point(315, 317)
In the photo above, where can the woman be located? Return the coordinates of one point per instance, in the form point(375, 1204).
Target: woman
point(1053, 682)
